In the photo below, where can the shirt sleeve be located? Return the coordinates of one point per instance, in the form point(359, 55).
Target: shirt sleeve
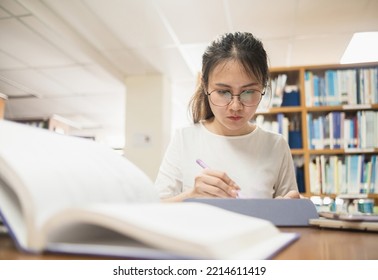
point(286, 180)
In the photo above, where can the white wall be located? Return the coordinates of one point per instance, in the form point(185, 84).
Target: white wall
point(148, 121)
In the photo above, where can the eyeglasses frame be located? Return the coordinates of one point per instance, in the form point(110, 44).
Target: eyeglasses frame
point(262, 93)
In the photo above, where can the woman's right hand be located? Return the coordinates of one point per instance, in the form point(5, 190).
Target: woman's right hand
point(213, 183)
point(209, 183)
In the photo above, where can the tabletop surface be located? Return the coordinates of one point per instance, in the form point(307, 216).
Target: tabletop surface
point(312, 244)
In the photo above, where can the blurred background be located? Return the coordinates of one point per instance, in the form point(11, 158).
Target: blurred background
point(122, 71)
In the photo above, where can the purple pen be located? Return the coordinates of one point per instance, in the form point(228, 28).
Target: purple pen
point(202, 164)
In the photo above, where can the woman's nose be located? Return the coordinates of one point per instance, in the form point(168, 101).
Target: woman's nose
point(236, 104)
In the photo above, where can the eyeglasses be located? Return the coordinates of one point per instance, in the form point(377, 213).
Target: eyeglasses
point(249, 97)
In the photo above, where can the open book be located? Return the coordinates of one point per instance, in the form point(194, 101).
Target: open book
point(67, 194)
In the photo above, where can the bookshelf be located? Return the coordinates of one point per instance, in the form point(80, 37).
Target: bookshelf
point(329, 115)
point(55, 123)
point(35, 122)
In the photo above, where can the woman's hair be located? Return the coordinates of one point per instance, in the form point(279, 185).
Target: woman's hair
point(239, 46)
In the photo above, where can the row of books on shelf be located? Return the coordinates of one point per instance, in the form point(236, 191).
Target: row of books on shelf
point(345, 130)
point(277, 87)
point(299, 173)
point(281, 94)
point(350, 174)
point(279, 123)
point(341, 87)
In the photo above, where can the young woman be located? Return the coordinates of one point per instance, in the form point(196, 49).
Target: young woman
point(237, 158)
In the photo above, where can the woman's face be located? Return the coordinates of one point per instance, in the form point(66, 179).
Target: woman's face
point(232, 119)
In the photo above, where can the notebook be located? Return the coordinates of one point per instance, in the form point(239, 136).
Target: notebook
point(281, 212)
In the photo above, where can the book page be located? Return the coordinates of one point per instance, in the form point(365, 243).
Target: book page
point(49, 172)
point(10, 207)
point(188, 229)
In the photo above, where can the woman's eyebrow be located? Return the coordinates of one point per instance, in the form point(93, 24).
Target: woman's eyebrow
point(223, 85)
point(251, 84)
point(244, 86)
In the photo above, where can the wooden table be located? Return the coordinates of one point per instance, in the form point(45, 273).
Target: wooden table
point(331, 244)
point(313, 244)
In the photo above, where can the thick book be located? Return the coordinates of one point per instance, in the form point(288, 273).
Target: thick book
point(72, 195)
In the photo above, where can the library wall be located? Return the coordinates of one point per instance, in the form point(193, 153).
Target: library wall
point(148, 102)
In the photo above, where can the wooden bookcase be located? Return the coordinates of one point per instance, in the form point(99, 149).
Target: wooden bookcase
point(329, 112)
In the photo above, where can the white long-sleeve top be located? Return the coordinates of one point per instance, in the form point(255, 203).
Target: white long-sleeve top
point(260, 162)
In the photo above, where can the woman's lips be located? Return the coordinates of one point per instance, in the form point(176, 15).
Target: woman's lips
point(234, 118)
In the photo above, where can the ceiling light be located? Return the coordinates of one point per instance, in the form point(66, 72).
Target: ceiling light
point(362, 48)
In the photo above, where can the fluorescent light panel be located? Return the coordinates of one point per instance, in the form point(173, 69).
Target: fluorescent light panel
point(362, 48)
